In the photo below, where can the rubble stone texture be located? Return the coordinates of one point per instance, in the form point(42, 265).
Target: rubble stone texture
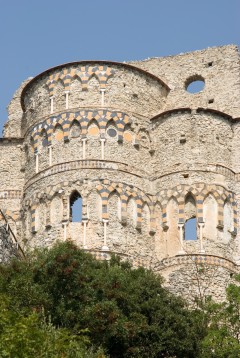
point(145, 156)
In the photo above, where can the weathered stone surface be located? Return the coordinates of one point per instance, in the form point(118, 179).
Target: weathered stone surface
point(145, 155)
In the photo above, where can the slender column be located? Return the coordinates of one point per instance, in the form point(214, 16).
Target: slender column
point(84, 234)
point(67, 94)
point(48, 215)
point(102, 147)
point(180, 226)
point(105, 247)
point(102, 97)
point(50, 155)
point(84, 147)
point(65, 231)
point(51, 99)
point(37, 164)
point(201, 225)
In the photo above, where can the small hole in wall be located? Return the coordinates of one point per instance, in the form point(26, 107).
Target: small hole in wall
point(135, 95)
point(185, 175)
point(211, 100)
point(182, 139)
point(210, 64)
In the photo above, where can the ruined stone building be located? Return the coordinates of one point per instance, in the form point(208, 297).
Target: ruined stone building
point(154, 168)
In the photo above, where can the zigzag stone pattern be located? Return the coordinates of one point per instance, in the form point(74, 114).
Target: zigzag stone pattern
point(142, 156)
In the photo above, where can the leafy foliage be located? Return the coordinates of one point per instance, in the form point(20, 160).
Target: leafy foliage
point(28, 336)
point(126, 311)
point(60, 302)
point(223, 334)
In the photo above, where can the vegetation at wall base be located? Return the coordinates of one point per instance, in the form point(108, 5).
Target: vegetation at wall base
point(62, 302)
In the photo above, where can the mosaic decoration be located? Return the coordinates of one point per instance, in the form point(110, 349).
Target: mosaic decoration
point(83, 73)
point(84, 117)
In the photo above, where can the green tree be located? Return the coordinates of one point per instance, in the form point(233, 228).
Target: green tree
point(125, 311)
point(223, 334)
point(23, 336)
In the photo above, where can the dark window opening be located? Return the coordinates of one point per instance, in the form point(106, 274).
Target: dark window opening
point(44, 139)
point(75, 207)
point(190, 229)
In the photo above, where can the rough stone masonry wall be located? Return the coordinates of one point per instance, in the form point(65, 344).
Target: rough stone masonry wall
point(144, 154)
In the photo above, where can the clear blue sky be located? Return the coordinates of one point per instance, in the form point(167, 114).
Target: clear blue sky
point(38, 34)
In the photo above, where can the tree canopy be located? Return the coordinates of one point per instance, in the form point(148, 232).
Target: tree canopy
point(62, 302)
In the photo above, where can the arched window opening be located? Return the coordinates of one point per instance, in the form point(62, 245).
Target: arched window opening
point(75, 207)
point(190, 229)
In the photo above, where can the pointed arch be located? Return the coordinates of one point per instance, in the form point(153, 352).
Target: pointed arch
point(145, 224)
point(160, 244)
point(56, 210)
point(144, 138)
point(43, 138)
point(111, 130)
point(190, 209)
point(93, 129)
point(114, 206)
point(131, 211)
point(228, 221)
point(58, 132)
point(210, 216)
point(128, 134)
point(75, 129)
point(172, 242)
point(94, 206)
point(59, 95)
point(32, 144)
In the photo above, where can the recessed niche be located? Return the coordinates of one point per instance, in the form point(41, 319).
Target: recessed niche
point(195, 84)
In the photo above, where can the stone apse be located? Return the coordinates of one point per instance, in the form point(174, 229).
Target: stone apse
point(139, 159)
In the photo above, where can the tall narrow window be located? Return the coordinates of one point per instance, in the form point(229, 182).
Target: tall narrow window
point(190, 229)
point(75, 207)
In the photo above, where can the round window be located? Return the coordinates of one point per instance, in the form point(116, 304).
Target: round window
point(112, 132)
point(195, 84)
